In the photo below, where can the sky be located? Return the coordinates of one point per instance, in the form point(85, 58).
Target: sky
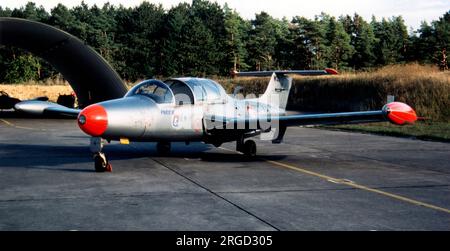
point(412, 11)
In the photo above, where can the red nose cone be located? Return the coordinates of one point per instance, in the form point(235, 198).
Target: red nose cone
point(93, 120)
point(400, 113)
point(331, 71)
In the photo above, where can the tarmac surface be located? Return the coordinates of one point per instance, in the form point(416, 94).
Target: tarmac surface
point(316, 180)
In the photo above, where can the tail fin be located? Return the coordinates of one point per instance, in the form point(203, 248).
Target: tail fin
point(277, 92)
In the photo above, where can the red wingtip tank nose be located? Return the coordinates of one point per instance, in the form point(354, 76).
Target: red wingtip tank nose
point(400, 113)
point(331, 71)
point(93, 120)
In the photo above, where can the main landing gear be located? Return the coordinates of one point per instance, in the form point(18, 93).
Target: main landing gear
point(248, 148)
point(100, 161)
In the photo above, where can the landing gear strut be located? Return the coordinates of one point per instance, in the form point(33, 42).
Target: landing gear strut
point(248, 148)
point(100, 162)
point(163, 148)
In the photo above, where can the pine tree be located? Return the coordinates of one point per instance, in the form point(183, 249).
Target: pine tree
point(338, 43)
point(31, 12)
point(284, 43)
point(6, 12)
point(442, 36)
point(262, 41)
point(235, 28)
point(363, 41)
point(308, 44)
point(212, 29)
point(402, 38)
point(391, 45)
point(22, 68)
point(173, 46)
point(205, 39)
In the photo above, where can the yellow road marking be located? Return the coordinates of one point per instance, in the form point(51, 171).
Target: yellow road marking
point(20, 127)
point(7, 122)
point(352, 184)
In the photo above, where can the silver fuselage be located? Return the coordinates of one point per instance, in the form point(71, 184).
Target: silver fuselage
point(139, 118)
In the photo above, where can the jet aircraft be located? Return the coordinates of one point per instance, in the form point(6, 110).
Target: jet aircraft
point(192, 109)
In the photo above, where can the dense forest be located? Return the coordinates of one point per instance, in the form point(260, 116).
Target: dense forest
point(206, 39)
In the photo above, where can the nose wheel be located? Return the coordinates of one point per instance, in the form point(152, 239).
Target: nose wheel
point(101, 163)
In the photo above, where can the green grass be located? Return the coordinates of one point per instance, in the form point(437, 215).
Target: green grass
point(437, 131)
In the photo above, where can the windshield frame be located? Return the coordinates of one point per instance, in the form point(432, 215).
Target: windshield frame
point(159, 84)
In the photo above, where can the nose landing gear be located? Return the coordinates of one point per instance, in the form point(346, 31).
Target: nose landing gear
point(100, 162)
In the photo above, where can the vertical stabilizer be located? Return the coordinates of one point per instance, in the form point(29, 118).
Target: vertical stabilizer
point(277, 92)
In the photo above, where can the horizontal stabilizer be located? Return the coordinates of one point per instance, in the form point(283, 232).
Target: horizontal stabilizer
point(327, 71)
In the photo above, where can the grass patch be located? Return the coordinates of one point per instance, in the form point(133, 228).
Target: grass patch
point(436, 131)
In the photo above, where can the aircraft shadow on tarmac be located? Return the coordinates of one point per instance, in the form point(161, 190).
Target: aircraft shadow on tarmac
point(180, 150)
point(55, 157)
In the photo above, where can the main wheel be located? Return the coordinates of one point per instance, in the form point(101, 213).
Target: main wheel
point(250, 148)
point(163, 147)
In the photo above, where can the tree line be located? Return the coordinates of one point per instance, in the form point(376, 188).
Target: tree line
point(205, 39)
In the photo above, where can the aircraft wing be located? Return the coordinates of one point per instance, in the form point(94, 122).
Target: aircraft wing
point(395, 112)
point(333, 118)
point(37, 107)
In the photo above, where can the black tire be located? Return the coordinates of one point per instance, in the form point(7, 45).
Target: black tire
point(100, 164)
point(163, 148)
point(250, 148)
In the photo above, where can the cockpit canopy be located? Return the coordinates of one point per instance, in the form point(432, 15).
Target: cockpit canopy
point(198, 89)
point(182, 91)
point(154, 89)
